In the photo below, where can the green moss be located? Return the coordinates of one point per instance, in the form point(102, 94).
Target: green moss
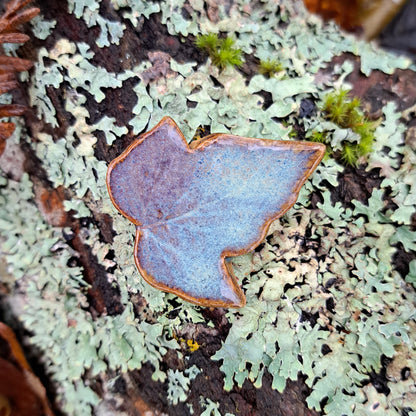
point(346, 114)
point(349, 154)
point(270, 67)
point(341, 110)
point(319, 137)
point(221, 51)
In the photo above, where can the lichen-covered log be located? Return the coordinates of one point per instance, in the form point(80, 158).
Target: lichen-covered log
point(329, 325)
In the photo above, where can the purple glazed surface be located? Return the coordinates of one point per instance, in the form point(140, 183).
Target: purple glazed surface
point(194, 206)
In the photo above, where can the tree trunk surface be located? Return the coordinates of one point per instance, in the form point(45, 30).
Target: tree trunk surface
point(134, 392)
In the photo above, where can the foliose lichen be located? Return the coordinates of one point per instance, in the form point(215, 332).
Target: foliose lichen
point(329, 309)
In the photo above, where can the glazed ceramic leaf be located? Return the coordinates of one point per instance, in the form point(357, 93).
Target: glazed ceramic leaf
point(194, 205)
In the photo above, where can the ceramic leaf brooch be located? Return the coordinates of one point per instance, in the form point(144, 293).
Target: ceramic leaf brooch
point(195, 205)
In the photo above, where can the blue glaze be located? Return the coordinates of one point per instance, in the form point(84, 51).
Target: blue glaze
point(192, 206)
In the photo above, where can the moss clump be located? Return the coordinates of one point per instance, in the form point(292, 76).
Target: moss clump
point(270, 67)
point(346, 114)
point(221, 51)
point(322, 137)
point(338, 108)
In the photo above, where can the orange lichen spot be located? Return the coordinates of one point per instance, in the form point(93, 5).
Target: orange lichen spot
point(192, 345)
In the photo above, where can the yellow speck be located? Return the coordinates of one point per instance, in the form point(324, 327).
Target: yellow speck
point(193, 345)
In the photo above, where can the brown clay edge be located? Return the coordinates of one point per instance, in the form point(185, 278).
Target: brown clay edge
point(119, 159)
point(231, 280)
point(229, 274)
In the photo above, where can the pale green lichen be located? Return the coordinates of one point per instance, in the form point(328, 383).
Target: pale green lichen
point(139, 9)
point(179, 383)
point(88, 10)
point(42, 28)
point(37, 257)
point(344, 278)
point(211, 408)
